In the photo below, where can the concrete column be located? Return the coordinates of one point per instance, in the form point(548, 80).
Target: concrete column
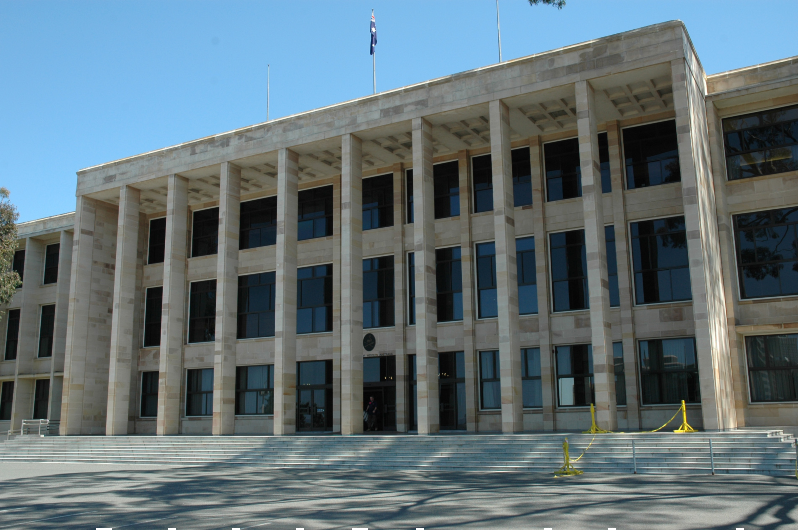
point(624, 277)
point(123, 333)
point(286, 293)
point(351, 285)
point(62, 304)
point(173, 319)
point(547, 378)
point(426, 296)
point(30, 313)
point(506, 270)
point(224, 358)
point(400, 296)
point(703, 249)
point(596, 250)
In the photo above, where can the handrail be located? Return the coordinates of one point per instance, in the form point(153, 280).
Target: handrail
point(34, 427)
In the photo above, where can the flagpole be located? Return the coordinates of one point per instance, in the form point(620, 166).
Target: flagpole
point(374, 62)
point(268, 78)
point(499, 29)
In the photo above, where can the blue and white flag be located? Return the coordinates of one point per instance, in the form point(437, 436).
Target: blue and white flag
point(373, 35)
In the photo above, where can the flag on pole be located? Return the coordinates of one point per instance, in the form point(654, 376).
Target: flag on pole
point(373, 34)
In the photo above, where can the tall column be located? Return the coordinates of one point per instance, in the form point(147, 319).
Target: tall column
point(122, 331)
point(224, 358)
point(703, 249)
point(400, 297)
point(596, 250)
point(506, 270)
point(426, 296)
point(351, 285)
point(173, 306)
point(62, 302)
point(286, 292)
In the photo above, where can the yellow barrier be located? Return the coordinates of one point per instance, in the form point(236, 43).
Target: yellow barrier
point(567, 468)
point(683, 428)
point(594, 429)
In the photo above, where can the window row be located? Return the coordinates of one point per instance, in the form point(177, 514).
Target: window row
point(51, 255)
point(46, 332)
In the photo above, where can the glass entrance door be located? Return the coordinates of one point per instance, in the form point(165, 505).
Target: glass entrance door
point(451, 377)
point(379, 381)
point(314, 396)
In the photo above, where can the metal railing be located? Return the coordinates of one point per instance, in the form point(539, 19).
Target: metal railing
point(36, 428)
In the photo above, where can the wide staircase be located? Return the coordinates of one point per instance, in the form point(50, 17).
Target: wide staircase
point(768, 452)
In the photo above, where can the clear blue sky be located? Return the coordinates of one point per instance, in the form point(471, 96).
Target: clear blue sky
point(87, 82)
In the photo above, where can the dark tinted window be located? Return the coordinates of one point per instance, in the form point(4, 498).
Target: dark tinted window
point(651, 154)
point(773, 367)
point(522, 177)
point(490, 387)
point(411, 288)
point(378, 202)
point(569, 271)
point(409, 192)
point(446, 179)
point(205, 233)
point(202, 312)
point(6, 400)
point(762, 143)
point(379, 369)
point(575, 375)
point(41, 398)
point(255, 389)
point(157, 242)
point(449, 284)
point(612, 266)
point(315, 213)
point(378, 302)
point(604, 161)
point(149, 394)
point(12, 335)
point(46, 328)
point(530, 378)
point(661, 266)
point(767, 253)
point(668, 371)
point(314, 299)
point(486, 280)
point(527, 276)
point(315, 373)
point(199, 392)
point(152, 317)
point(620, 374)
point(258, 223)
point(18, 264)
point(51, 263)
point(482, 173)
point(563, 172)
point(256, 299)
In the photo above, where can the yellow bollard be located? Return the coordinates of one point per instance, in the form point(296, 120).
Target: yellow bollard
point(684, 427)
point(567, 468)
point(594, 429)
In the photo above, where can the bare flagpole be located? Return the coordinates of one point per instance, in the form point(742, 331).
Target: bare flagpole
point(374, 61)
point(268, 78)
point(499, 28)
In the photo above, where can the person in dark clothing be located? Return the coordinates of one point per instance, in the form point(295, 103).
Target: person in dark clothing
point(371, 410)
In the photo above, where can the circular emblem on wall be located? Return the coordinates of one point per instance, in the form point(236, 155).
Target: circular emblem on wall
point(369, 342)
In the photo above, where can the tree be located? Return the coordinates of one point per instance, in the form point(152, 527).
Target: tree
point(554, 3)
point(9, 279)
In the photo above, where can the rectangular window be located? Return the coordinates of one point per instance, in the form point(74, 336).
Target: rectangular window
point(661, 266)
point(486, 280)
point(569, 271)
point(41, 398)
point(149, 395)
point(378, 202)
point(409, 192)
point(202, 312)
point(199, 392)
point(620, 374)
point(449, 284)
point(157, 242)
point(411, 288)
point(152, 317)
point(652, 155)
point(446, 178)
point(51, 263)
point(669, 371)
point(761, 143)
point(532, 389)
point(12, 334)
point(527, 276)
point(563, 170)
point(256, 302)
point(315, 396)
point(773, 367)
point(205, 233)
point(46, 328)
point(604, 163)
point(575, 375)
point(18, 265)
point(378, 302)
point(255, 389)
point(522, 177)
point(767, 253)
point(6, 400)
point(612, 266)
point(490, 387)
point(314, 299)
point(258, 223)
point(315, 213)
point(482, 174)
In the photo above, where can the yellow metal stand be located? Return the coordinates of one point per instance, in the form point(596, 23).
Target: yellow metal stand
point(684, 427)
point(594, 429)
point(567, 468)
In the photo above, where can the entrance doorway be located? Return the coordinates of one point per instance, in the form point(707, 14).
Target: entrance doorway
point(451, 381)
point(379, 381)
point(314, 396)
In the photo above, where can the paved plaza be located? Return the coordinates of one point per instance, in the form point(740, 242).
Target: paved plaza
point(224, 497)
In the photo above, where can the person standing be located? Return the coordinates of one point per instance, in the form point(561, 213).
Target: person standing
point(371, 410)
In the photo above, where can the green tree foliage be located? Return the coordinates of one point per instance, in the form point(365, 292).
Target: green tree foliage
point(555, 3)
point(9, 280)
